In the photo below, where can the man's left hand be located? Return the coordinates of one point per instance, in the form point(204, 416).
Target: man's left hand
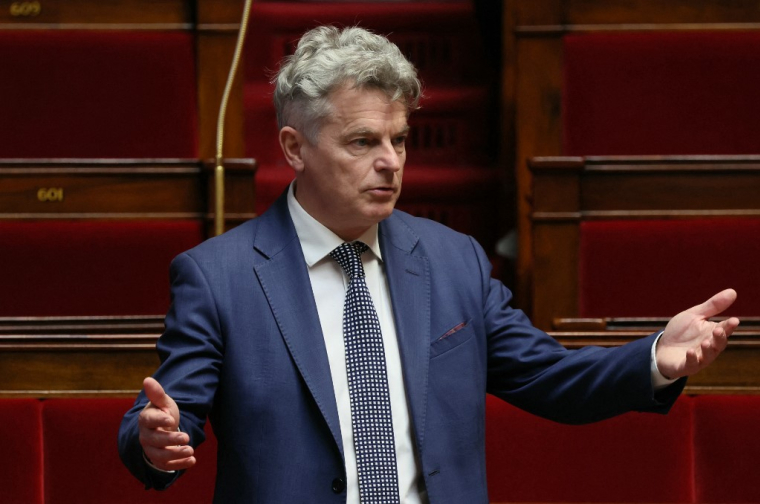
point(691, 342)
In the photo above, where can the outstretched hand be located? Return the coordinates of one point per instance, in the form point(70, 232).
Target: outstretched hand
point(165, 447)
point(691, 342)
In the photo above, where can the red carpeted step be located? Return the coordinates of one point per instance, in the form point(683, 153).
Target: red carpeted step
point(686, 92)
point(97, 94)
point(60, 267)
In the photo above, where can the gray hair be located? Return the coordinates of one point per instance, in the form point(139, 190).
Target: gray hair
point(327, 58)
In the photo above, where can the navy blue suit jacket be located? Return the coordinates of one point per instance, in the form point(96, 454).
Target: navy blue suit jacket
point(243, 345)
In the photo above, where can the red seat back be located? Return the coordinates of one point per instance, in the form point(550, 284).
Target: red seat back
point(685, 92)
point(656, 268)
point(727, 448)
point(630, 458)
point(97, 94)
point(82, 463)
point(21, 451)
point(59, 268)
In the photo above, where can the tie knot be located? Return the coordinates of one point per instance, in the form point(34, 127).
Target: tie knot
point(349, 256)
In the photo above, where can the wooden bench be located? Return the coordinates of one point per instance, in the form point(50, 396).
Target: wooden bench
point(643, 236)
point(571, 68)
point(95, 237)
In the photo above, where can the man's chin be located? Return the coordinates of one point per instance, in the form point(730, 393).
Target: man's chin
point(385, 211)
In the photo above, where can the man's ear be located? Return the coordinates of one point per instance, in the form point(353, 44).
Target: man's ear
point(291, 142)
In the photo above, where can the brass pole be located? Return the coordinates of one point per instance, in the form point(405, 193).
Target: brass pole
point(219, 166)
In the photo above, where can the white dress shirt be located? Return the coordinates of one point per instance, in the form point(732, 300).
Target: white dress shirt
point(329, 284)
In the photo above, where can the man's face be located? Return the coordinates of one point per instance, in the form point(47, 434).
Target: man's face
point(351, 178)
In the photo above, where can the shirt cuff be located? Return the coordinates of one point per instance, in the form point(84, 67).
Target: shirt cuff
point(659, 381)
point(150, 464)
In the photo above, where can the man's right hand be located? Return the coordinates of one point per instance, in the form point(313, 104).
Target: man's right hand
point(163, 444)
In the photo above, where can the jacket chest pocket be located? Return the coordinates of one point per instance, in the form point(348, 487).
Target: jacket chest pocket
point(452, 338)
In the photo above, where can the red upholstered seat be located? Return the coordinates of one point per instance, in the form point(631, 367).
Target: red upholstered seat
point(631, 458)
point(90, 267)
point(727, 448)
point(657, 268)
point(82, 463)
point(97, 94)
point(661, 93)
point(21, 451)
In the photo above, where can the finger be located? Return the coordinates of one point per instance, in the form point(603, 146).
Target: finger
point(164, 457)
point(708, 351)
point(712, 347)
point(155, 393)
point(692, 360)
point(162, 439)
point(178, 465)
point(719, 339)
point(729, 325)
point(716, 304)
point(154, 418)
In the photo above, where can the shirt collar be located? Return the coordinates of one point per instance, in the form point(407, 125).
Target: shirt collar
point(316, 240)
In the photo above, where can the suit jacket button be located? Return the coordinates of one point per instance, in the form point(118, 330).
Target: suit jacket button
point(338, 485)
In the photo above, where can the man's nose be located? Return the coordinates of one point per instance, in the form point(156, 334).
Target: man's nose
point(389, 158)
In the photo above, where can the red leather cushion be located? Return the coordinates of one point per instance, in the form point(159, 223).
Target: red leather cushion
point(82, 463)
point(90, 268)
point(660, 267)
point(21, 451)
point(727, 448)
point(632, 458)
point(661, 93)
point(97, 94)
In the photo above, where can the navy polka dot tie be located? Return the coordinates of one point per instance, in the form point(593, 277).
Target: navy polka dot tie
point(367, 384)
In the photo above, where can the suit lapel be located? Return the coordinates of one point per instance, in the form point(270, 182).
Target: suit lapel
point(284, 277)
point(408, 276)
point(281, 269)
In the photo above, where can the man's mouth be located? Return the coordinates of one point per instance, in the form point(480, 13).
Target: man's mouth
point(382, 190)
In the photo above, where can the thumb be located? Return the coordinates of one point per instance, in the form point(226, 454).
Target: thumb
point(156, 395)
point(716, 304)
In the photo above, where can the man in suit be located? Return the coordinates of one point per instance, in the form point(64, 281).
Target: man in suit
point(254, 339)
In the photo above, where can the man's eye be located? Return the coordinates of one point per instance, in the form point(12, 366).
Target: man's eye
point(401, 140)
point(361, 142)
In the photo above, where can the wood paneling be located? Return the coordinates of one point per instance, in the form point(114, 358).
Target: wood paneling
point(123, 188)
point(77, 356)
point(97, 14)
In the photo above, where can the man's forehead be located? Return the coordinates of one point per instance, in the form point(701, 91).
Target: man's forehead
point(346, 96)
point(366, 111)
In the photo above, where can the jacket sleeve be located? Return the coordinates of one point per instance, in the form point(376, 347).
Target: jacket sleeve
point(531, 370)
point(191, 355)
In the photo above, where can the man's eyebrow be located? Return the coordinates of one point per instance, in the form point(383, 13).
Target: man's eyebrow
point(369, 132)
point(363, 131)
